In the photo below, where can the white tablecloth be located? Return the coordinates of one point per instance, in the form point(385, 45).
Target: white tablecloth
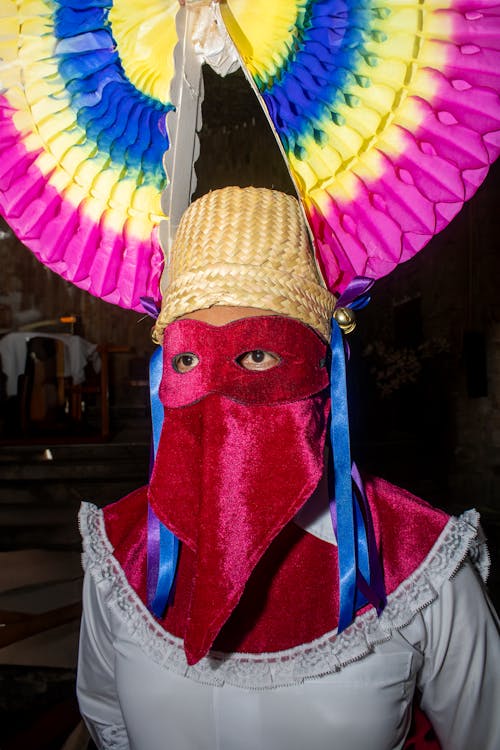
point(77, 352)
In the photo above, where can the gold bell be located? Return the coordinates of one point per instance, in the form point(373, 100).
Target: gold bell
point(346, 319)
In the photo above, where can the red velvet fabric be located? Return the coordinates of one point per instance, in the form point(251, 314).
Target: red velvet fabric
point(421, 735)
point(292, 595)
point(226, 482)
point(240, 452)
point(300, 372)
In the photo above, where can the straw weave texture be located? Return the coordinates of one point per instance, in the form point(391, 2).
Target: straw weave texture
point(245, 247)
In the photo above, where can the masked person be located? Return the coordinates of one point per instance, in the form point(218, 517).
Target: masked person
point(246, 654)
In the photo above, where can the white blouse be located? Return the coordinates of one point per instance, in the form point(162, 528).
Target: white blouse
point(351, 692)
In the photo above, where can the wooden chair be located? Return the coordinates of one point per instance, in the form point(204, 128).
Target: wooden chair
point(52, 402)
point(42, 387)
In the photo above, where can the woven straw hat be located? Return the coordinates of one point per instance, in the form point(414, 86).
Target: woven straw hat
point(245, 247)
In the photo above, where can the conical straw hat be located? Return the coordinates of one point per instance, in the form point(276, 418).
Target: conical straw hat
point(245, 247)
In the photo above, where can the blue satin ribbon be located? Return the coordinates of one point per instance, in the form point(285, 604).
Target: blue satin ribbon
point(360, 571)
point(348, 533)
point(157, 411)
point(163, 545)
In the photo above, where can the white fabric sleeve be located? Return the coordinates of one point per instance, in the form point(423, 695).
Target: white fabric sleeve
point(460, 677)
point(96, 689)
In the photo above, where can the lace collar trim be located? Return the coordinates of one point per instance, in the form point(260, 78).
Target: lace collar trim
point(461, 537)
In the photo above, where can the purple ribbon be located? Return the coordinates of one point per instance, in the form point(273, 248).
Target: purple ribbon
point(151, 306)
point(153, 555)
point(375, 591)
point(355, 295)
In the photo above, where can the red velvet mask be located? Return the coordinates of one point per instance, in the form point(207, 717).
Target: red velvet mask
point(240, 452)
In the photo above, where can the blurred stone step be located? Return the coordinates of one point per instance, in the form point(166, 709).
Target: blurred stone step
point(17, 537)
point(27, 692)
point(42, 597)
point(94, 473)
point(57, 647)
point(29, 567)
point(59, 462)
point(72, 493)
point(47, 451)
point(57, 471)
point(42, 594)
point(39, 514)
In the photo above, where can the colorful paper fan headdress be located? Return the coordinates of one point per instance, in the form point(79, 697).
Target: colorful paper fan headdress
point(84, 94)
point(388, 116)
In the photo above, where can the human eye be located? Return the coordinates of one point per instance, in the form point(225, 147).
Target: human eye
point(185, 362)
point(258, 360)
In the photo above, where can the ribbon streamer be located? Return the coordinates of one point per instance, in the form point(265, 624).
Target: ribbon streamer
point(355, 296)
point(151, 306)
point(163, 545)
point(375, 593)
point(360, 571)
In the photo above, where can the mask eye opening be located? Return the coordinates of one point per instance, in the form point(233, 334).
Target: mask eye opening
point(258, 360)
point(185, 362)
